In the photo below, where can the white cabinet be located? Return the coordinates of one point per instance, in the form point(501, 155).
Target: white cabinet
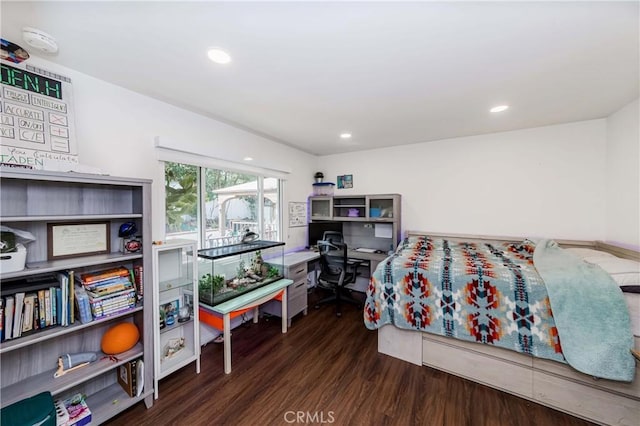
point(175, 297)
point(33, 201)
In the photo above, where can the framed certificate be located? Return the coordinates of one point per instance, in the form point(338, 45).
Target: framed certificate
point(77, 239)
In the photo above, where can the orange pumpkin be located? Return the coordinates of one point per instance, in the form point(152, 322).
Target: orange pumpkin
point(120, 338)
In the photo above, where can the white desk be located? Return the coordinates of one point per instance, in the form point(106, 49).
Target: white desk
point(298, 257)
point(242, 303)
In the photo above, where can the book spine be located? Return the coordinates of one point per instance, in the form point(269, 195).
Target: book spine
point(1, 319)
point(27, 321)
point(43, 308)
point(8, 317)
point(54, 306)
point(47, 308)
point(138, 280)
point(111, 273)
point(60, 307)
point(72, 294)
point(17, 315)
point(36, 313)
point(134, 377)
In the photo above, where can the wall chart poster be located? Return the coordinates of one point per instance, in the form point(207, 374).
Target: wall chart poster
point(297, 214)
point(36, 118)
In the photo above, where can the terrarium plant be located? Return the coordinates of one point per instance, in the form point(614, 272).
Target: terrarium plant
point(241, 271)
point(273, 272)
point(209, 285)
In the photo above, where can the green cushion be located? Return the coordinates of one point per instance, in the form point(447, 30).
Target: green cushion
point(37, 410)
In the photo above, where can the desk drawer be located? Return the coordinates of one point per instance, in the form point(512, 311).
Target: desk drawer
point(296, 273)
point(296, 303)
point(297, 288)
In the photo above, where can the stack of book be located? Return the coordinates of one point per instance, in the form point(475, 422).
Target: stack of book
point(109, 292)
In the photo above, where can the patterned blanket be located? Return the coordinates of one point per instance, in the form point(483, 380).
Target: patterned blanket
point(486, 293)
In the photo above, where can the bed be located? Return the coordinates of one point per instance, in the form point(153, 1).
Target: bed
point(479, 307)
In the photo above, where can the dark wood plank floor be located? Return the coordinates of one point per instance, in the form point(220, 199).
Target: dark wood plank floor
point(326, 370)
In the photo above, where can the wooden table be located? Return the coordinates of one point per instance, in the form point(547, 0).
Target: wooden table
point(239, 305)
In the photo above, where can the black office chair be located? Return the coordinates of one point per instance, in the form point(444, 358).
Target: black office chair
point(333, 237)
point(336, 271)
point(337, 237)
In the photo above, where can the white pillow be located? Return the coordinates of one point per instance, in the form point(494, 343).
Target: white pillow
point(584, 253)
point(623, 271)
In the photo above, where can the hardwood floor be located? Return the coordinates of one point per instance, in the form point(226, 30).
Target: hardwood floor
point(326, 370)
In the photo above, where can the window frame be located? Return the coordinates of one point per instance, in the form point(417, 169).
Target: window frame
point(201, 230)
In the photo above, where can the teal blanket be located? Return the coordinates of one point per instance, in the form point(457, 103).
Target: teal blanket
point(589, 311)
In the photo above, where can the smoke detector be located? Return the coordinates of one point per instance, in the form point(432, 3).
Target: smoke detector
point(39, 40)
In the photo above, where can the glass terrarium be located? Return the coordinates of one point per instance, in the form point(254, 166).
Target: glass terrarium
point(229, 271)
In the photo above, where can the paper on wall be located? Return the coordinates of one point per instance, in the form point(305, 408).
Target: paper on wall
point(383, 230)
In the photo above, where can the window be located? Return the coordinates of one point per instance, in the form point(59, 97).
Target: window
point(216, 206)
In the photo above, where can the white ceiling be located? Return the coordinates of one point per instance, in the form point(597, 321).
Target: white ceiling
point(390, 73)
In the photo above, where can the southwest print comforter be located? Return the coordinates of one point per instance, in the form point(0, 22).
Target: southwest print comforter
point(479, 292)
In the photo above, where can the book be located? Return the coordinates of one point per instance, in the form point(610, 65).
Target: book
point(71, 306)
point(27, 315)
point(1, 319)
point(42, 309)
point(78, 410)
point(36, 313)
point(127, 377)
point(64, 295)
point(47, 308)
point(17, 315)
point(8, 317)
point(138, 280)
point(54, 306)
point(84, 307)
point(92, 277)
point(61, 306)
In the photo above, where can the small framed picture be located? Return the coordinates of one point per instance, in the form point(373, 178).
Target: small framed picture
point(170, 308)
point(73, 239)
point(187, 299)
point(345, 181)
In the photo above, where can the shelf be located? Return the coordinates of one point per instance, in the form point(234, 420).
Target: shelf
point(111, 401)
point(52, 333)
point(32, 198)
point(345, 206)
point(70, 218)
point(72, 263)
point(179, 360)
point(46, 382)
point(169, 285)
point(175, 325)
point(174, 273)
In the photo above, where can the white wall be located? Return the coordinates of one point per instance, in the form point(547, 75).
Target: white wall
point(623, 176)
point(546, 181)
point(116, 128)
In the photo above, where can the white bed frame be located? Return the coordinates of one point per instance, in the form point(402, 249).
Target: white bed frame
point(549, 383)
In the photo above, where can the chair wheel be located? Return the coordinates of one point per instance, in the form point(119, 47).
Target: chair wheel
point(338, 314)
point(317, 306)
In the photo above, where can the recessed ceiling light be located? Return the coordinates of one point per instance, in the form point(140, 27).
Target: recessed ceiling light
point(499, 108)
point(218, 55)
point(248, 159)
point(345, 135)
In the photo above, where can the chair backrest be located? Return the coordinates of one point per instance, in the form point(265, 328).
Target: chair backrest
point(333, 261)
point(333, 237)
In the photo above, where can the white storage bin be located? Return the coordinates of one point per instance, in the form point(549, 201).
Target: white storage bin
point(14, 261)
